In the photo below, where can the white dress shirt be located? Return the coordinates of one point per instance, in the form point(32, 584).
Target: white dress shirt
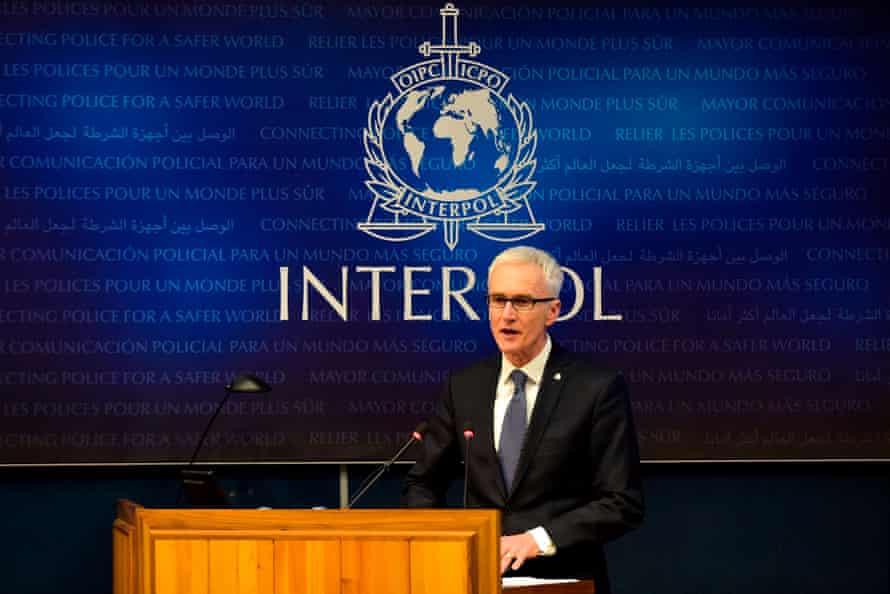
point(534, 371)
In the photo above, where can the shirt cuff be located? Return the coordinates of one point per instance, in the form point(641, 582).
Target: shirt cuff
point(542, 539)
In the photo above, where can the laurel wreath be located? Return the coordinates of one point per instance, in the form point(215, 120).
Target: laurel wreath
point(513, 189)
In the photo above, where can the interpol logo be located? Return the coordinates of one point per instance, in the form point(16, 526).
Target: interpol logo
point(449, 150)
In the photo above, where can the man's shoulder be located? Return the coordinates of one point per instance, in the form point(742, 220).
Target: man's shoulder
point(484, 366)
point(562, 359)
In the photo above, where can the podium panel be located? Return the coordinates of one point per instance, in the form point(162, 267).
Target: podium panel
point(239, 551)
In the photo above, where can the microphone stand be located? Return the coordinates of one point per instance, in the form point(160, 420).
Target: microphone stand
point(417, 435)
point(468, 437)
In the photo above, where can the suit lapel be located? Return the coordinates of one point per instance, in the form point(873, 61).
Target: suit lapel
point(484, 421)
point(548, 395)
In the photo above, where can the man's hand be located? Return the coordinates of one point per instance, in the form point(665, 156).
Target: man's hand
point(515, 549)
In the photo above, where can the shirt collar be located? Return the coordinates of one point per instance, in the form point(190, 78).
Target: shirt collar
point(534, 369)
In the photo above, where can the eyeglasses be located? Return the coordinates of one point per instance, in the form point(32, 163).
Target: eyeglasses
point(520, 302)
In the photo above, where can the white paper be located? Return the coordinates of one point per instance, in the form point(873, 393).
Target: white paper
point(516, 582)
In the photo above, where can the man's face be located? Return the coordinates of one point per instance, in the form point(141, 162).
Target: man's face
point(520, 335)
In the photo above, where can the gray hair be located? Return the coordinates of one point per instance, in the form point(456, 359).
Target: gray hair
point(523, 254)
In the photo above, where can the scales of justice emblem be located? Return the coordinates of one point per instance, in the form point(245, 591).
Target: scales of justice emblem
point(448, 149)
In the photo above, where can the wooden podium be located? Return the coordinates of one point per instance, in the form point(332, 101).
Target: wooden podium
point(245, 551)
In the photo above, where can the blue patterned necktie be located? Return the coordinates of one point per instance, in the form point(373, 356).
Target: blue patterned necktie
point(513, 429)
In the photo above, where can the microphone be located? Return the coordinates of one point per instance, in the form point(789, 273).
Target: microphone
point(468, 437)
point(416, 435)
point(200, 483)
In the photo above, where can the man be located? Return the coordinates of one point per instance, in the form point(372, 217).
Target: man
point(555, 447)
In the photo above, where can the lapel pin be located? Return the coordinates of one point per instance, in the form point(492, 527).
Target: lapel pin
point(557, 376)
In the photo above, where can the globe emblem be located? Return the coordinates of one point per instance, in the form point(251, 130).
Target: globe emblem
point(450, 150)
point(450, 140)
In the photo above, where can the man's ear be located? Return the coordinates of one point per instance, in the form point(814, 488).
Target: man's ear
point(553, 312)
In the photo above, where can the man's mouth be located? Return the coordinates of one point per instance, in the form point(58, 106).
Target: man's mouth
point(509, 331)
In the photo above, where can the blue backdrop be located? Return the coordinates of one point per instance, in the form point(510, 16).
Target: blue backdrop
point(710, 177)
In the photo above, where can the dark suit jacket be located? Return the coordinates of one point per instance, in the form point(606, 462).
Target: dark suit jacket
point(578, 473)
